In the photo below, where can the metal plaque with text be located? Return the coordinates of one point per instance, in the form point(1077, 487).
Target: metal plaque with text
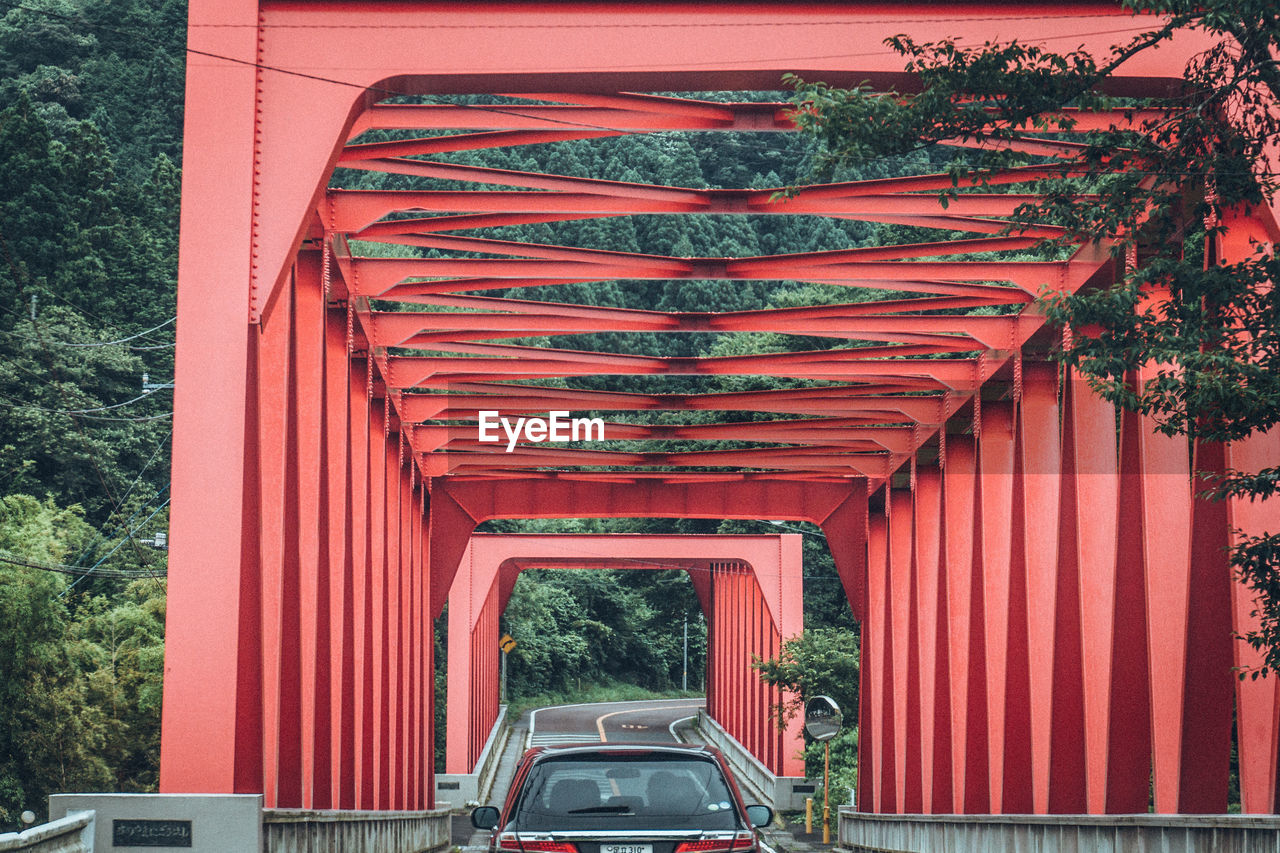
point(150, 833)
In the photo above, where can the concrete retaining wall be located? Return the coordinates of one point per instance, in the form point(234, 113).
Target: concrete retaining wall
point(70, 834)
point(1146, 833)
point(303, 831)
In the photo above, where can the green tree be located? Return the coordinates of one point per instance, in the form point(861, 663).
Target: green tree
point(1163, 185)
point(821, 662)
point(818, 662)
point(121, 643)
point(51, 734)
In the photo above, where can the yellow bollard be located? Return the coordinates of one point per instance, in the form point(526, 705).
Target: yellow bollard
point(808, 815)
point(826, 824)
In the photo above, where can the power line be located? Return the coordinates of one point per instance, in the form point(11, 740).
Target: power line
point(170, 321)
point(81, 571)
point(17, 404)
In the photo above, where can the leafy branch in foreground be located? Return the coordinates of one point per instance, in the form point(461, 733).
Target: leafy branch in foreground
point(1189, 331)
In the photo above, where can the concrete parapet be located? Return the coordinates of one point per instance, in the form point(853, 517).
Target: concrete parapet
point(862, 832)
point(455, 790)
point(70, 834)
point(203, 823)
point(301, 830)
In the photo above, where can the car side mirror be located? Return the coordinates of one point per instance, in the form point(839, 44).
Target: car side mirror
point(758, 815)
point(486, 817)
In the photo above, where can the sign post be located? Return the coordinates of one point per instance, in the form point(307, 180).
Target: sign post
point(822, 720)
point(507, 643)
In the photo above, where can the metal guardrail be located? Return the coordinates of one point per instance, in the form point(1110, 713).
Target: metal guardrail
point(862, 832)
point(303, 831)
point(70, 834)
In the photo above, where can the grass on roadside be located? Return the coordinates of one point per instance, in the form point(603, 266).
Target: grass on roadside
point(602, 692)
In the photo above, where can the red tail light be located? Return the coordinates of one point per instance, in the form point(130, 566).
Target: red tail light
point(743, 841)
point(510, 842)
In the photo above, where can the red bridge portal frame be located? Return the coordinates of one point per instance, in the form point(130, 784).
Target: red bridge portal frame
point(749, 588)
point(1047, 618)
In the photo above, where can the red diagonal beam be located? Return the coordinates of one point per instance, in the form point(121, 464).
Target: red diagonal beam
point(466, 398)
point(464, 142)
point(400, 329)
point(1029, 275)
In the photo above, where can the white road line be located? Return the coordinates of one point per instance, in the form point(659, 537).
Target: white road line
point(672, 728)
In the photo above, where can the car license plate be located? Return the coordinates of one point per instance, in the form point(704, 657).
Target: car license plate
point(626, 848)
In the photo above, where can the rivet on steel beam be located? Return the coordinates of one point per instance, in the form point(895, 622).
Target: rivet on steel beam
point(977, 398)
point(1017, 374)
point(942, 430)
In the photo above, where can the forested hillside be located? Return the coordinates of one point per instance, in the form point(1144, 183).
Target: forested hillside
point(90, 137)
point(90, 157)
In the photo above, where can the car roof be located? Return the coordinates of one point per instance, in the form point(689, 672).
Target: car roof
point(617, 749)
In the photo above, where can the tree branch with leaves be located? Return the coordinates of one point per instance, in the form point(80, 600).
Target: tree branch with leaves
point(1185, 335)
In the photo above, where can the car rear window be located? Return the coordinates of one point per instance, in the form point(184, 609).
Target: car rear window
point(601, 791)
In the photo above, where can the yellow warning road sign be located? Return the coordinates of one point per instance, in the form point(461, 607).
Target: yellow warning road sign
point(507, 643)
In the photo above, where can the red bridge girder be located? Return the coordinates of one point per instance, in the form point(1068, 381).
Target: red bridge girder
point(323, 490)
point(749, 588)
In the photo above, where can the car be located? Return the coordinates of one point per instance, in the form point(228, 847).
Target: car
point(623, 798)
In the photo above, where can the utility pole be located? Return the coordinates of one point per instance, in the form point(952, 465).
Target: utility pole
point(684, 680)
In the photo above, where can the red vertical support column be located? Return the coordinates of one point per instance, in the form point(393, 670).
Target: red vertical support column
point(376, 608)
point(393, 697)
point(995, 494)
point(740, 640)
point(970, 791)
point(463, 612)
point(1017, 797)
point(790, 623)
point(408, 639)
point(878, 667)
point(362, 584)
point(1166, 516)
point(1257, 700)
point(426, 719)
point(1208, 692)
point(337, 455)
point(996, 497)
point(906, 699)
point(750, 612)
point(933, 659)
point(759, 705)
point(1117, 752)
point(391, 613)
point(1056, 690)
point(413, 627)
point(211, 736)
point(1130, 746)
point(313, 550)
point(278, 515)
point(713, 642)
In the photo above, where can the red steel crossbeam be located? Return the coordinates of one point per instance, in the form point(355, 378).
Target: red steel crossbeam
point(762, 599)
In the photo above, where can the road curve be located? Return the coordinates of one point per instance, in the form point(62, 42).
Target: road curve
point(646, 720)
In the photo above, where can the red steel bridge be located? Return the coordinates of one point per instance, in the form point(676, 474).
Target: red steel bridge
point(1046, 609)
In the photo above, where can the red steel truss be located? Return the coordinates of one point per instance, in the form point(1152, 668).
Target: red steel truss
point(1045, 610)
point(749, 589)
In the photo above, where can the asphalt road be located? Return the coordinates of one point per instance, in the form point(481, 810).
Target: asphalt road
point(613, 722)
